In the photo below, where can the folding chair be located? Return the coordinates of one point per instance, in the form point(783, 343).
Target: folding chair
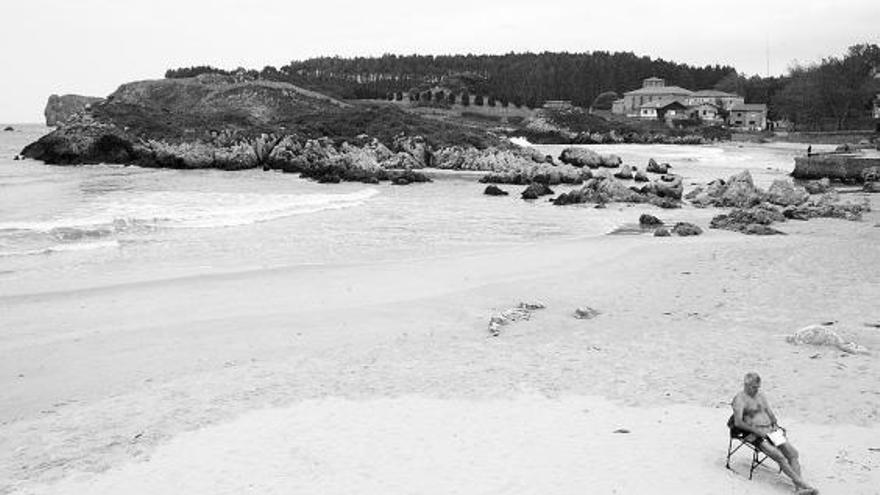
point(739, 436)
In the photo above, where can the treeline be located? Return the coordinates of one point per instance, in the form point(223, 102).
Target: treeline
point(520, 78)
point(835, 94)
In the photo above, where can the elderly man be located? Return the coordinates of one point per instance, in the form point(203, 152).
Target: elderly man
point(752, 414)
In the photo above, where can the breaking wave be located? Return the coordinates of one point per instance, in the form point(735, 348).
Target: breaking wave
point(184, 210)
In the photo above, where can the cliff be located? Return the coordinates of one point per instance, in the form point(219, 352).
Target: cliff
point(60, 108)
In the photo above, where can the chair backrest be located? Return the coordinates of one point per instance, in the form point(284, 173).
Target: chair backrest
point(734, 431)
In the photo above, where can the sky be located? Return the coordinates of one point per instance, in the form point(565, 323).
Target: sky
point(90, 47)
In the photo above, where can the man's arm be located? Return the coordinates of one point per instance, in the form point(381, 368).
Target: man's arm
point(739, 421)
point(770, 414)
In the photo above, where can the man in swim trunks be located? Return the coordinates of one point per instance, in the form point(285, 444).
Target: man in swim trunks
point(752, 414)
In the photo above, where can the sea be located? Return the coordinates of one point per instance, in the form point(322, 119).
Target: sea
point(67, 228)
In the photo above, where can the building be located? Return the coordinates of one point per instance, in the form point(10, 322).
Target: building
point(707, 112)
point(748, 116)
point(662, 109)
point(714, 97)
point(653, 89)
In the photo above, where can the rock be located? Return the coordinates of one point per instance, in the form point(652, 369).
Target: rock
point(17, 157)
point(580, 157)
point(669, 186)
point(741, 220)
point(493, 190)
point(759, 229)
point(685, 229)
point(414, 146)
point(835, 166)
point(641, 177)
point(585, 313)
point(820, 186)
point(871, 174)
point(824, 335)
point(796, 213)
point(741, 191)
point(655, 168)
point(610, 161)
point(738, 191)
point(625, 173)
point(536, 190)
point(8, 128)
point(871, 187)
point(59, 109)
point(646, 220)
point(583, 157)
point(662, 232)
point(784, 193)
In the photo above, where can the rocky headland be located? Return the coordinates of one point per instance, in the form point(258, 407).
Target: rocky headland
point(217, 121)
point(61, 108)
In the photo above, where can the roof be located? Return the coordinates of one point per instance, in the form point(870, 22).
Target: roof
point(749, 107)
point(660, 90)
point(662, 103)
point(713, 93)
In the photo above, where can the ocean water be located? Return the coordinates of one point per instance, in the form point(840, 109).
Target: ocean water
point(65, 228)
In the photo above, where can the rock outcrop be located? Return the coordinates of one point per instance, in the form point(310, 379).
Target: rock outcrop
point(738, 191)
point(845, 167)
point(583, 157)
point(655, 168)
point(224, 122)
point(493, 190)
point(535, 190)
point(59, 109)
point(603, 189)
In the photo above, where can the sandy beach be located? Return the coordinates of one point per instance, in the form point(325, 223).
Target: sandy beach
point(382, 377)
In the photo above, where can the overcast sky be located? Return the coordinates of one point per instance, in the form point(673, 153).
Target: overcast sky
point(90, 47)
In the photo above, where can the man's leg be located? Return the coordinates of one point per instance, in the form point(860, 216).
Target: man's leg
point(791, 454)
point(780, 459)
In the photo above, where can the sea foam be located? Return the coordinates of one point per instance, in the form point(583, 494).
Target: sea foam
point(175, 209)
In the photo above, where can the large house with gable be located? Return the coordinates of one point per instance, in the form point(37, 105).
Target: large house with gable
point(657, 101)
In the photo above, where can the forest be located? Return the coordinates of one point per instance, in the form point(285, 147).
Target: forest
point(520, 78)
point(836, 93)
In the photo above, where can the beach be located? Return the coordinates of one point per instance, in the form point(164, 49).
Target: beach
point(240, 382)
point(377, 374)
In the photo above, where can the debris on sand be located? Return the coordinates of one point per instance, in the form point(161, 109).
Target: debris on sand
point(523, 311)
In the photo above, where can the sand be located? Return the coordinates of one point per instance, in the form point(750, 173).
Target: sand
point(381, 378)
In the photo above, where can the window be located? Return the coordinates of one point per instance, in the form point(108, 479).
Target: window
point(751, 122)
point(738, 122)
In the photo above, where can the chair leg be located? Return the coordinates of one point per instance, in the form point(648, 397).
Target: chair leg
point(729, 451)
point(755, 463)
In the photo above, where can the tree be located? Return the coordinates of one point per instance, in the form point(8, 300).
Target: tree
point(491, 101)
point(605, 100)
point(478, 100)
point(451, 98)
point(465, 99)
point(732, 83)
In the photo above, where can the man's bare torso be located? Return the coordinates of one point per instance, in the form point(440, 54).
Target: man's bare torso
point(754, 409)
